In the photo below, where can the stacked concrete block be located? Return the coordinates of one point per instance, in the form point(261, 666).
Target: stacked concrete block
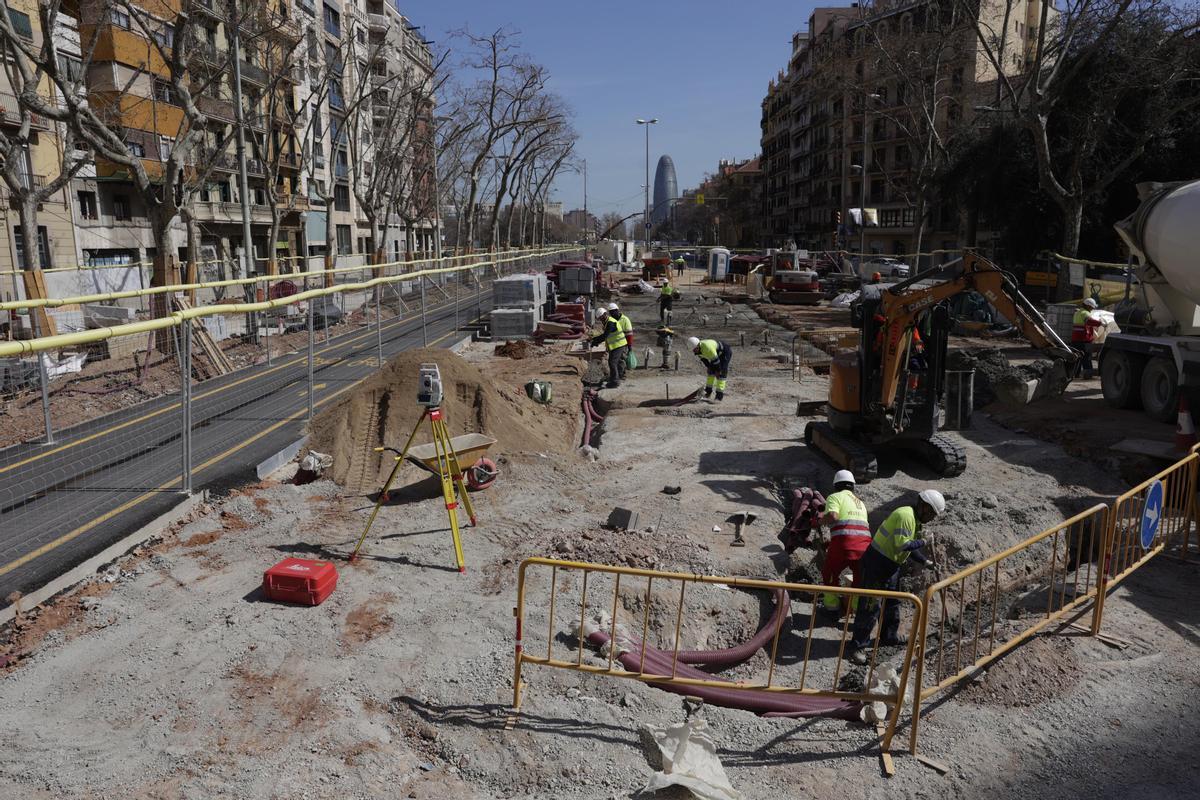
point(514, 323)
point(577, 280)
point(518, 291)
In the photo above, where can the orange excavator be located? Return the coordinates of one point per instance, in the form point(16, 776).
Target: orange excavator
point(888, 392)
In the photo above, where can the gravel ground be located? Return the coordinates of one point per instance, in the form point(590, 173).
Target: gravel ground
point(169, 676)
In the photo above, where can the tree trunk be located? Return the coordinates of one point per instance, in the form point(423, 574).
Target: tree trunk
point(27, 214)
point(166, 273)
point(1072, 211)
point(919, 216)
point(470, 210)
point(193, 251)
point(272, 239)
point(330, 242)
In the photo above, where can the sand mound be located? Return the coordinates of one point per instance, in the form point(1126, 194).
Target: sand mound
point(383, 410)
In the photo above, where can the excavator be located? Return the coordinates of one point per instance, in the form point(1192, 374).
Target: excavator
point(888, 392)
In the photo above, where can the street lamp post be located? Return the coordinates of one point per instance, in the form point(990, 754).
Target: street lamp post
point(862, 214)
point(646, 217)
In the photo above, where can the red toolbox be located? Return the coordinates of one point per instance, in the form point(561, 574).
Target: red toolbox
point(300, 580)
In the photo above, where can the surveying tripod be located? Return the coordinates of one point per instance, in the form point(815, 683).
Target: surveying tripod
point(448, 469)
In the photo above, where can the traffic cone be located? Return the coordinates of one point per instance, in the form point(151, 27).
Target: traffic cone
point(1185, 429)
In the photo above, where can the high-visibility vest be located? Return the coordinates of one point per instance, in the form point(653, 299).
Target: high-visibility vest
point(900, 528)
point(667, 290)
point(626, 323)
point(710, 350)
point(614, 334)
point(851, 514)
point(1079, 327)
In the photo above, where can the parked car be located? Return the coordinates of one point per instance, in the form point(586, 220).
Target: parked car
point(887, 266)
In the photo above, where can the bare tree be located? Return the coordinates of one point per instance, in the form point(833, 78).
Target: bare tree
point(1100, 79)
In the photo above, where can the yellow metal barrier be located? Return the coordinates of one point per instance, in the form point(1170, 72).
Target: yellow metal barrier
point(1124, 550)
point(792, 666)
point(816, 348)
point(1068, 553)
point(178, 317)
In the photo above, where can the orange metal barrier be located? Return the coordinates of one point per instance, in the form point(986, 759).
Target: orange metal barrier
point(797, 661)
point(964, 609)
point(1123, 550)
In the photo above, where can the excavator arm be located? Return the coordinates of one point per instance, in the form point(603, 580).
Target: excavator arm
point(903, 305)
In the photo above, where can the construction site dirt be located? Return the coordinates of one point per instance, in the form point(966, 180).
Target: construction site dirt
point(169, 675)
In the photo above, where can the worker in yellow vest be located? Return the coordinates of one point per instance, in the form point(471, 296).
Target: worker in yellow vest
point(716, 357)
point(895, 541)
point(666, 299)
point(849, 534)
point(615, 342)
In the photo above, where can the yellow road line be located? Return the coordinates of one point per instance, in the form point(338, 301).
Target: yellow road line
point(87, 526)
point(175, 406)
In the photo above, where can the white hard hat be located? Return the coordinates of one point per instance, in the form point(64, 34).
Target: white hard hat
point(843, 476)
point(612, 306)
point(1091, 303)
point(933, 498)
point(693, 342)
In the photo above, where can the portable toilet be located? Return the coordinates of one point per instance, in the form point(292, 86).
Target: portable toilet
point(718, 264)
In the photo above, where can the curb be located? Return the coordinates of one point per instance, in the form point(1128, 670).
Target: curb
point(275, 462)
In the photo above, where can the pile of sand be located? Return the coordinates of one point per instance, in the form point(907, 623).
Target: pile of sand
point(383, 409)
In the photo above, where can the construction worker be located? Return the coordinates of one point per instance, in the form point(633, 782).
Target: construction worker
point(716, 357)
point(849, 533)
point(1083, 333)
point(615, 342)
point(627, 327)
point(679, 265)
point(666, 299)
point(876, 277)
point(894, 541)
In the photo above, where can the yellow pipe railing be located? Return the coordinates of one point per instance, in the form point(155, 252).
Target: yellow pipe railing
point(55, 302)
point(177, 317)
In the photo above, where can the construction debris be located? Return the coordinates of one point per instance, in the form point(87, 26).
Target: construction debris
point(686, 755)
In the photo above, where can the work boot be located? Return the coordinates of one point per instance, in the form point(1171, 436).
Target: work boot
point(708, 392)
point(893, 641)
point(720, 396)
point(859, 657)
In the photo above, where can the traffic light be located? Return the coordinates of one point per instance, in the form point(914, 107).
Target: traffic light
point(837, 218)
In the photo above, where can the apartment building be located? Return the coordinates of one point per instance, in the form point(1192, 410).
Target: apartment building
point(40, 164)
point(294, 104)
point(849, 144)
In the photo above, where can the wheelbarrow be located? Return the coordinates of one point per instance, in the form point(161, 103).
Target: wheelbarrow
point(468, 448)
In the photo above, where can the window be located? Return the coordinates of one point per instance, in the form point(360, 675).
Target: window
point(341, 165)
point(336, 125)
point(307, 7)
point(333, 58)
point(121, 207)
point(87, 205)
point(163, 91)
point(136, 149)
point(120, 18)
point(333, 22)
point(336, 100)
point(343, 240)
point(902, 154)
point(890, 218)
point(956, 80)
point(165, 145)
point(319, 188)
point(226, 192)
point(910, 217)
point(341, 197)
point(165, 35)
point(43, 245)
point(260, 196)
point(70, 68)
point(21, 24)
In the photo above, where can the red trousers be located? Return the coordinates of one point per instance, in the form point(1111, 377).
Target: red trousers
point(843, 551)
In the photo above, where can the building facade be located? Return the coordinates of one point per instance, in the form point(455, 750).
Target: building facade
point(841, 126)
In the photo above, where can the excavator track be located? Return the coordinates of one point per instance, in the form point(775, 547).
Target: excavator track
point(941, 453)
point(846, 453)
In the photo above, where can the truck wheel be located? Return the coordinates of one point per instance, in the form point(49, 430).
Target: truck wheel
point(1121, 378)
point(1160, 390)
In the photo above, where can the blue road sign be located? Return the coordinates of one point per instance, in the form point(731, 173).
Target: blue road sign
point(647, 226)
point(1152, 514)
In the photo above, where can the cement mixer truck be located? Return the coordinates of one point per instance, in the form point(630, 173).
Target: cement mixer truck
point(1156, 356)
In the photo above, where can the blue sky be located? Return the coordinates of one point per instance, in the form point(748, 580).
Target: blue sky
point(701, 67)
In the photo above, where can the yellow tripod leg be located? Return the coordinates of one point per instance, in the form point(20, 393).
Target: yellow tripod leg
point(383, 493)
point(445, 452)
point(460, 482)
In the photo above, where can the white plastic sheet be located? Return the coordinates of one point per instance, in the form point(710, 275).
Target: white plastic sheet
point(686, 756)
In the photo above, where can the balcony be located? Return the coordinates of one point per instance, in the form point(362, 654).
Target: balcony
point(254, 74)
point(378, 23)
point(216, 108)
point(221, 211)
